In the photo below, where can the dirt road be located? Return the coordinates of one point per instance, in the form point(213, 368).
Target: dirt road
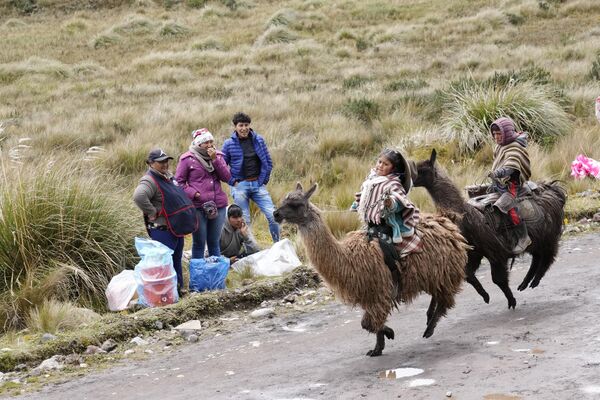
point(548, 348)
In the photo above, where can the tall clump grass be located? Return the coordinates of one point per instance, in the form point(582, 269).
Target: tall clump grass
point(276, 34)
point(53, 316)
point(471, 108)
point(62, 236)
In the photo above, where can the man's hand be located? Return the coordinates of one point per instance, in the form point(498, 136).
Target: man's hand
point(232, 260)
point(244, 230)
point(196, 195)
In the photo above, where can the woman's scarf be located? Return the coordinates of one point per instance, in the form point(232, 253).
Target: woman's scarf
point(375, 190)
point(202, 156)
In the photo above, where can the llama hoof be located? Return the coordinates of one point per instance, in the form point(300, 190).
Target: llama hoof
point(374, 353)
point(512, 303)
point(486, 298)
point(389, 333)
point(534, 284)
point(522, 287)
point(428, 332)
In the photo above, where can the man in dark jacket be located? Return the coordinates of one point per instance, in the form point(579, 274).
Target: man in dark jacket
point(247, 155)
point(236, 240)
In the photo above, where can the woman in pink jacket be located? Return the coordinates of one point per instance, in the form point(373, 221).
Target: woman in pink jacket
point(200, 172)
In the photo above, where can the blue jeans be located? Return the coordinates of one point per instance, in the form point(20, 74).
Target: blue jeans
point(208, 234)
point(174, 243)
point(245, 191)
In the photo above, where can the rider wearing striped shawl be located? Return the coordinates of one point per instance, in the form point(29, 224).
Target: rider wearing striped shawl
point(384, 202)
point(511, 168)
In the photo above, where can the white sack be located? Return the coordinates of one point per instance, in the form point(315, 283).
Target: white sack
point(280, 258)
point(121, 290)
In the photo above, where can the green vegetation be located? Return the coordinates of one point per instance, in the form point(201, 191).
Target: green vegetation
point(92, 86)
point(62, 236)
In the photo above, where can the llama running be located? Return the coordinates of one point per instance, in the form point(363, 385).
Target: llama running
point(486, 241)
point(357, 273)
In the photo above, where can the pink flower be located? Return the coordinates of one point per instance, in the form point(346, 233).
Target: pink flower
point(584, 166)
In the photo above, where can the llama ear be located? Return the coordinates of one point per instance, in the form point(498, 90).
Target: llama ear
point(311, 191)
point(299, 187)
point(433, 157)
point(413, 170)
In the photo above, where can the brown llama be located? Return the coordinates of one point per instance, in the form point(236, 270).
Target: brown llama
point(357, 273)
point(489, 242)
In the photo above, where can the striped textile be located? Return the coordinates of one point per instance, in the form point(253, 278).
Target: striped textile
point(513, 155)
point(375, 190)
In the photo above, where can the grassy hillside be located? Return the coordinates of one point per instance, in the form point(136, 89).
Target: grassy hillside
point(95, 84)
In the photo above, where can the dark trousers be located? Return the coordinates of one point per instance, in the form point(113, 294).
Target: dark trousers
point(174, 243)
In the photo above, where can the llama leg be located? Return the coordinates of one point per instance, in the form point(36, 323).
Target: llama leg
point(369, 323)
point(444, 301)
point(545, 262)
point(500, 278)
point(472, 266)
point(431, 309)
point(535, 262)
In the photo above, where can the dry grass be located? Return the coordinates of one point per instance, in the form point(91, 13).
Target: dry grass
point(328, 84)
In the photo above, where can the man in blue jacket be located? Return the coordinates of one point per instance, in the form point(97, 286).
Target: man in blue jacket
point(247, 155)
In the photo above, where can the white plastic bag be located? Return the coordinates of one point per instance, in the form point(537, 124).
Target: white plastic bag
point(120, 290)
point(280, 258)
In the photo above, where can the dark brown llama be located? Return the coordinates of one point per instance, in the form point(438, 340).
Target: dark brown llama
point(357, 273)
point(486, 240)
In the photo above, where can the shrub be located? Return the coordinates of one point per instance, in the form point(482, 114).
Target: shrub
point(355, 81)
point(196, 3)
point(533, 74)
point(25, 6)
point(471, 108)
point(363, 110)
point(515, 19)
point(362, 44)
point(62, 236)
point(406, 84)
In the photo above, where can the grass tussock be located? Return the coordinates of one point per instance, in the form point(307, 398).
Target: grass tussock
point(13, 23)
point(53, 316)
point(135, 25)
point(105, 40)
point(276, 34)
point(172, 28)
point(34, 66)
point(62, 236)
point(282, 17)
point(471, 108)
point(209, 43)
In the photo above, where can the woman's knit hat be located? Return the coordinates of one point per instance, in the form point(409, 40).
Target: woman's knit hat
point(201, 135)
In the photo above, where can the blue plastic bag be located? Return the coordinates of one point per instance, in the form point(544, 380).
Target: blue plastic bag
point(208, 273)
point(155, 276)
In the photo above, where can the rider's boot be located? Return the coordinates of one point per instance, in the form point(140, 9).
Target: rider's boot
point(524, 239)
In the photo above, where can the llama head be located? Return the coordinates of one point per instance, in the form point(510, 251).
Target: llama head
point(426, 171)
point(295, 206)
